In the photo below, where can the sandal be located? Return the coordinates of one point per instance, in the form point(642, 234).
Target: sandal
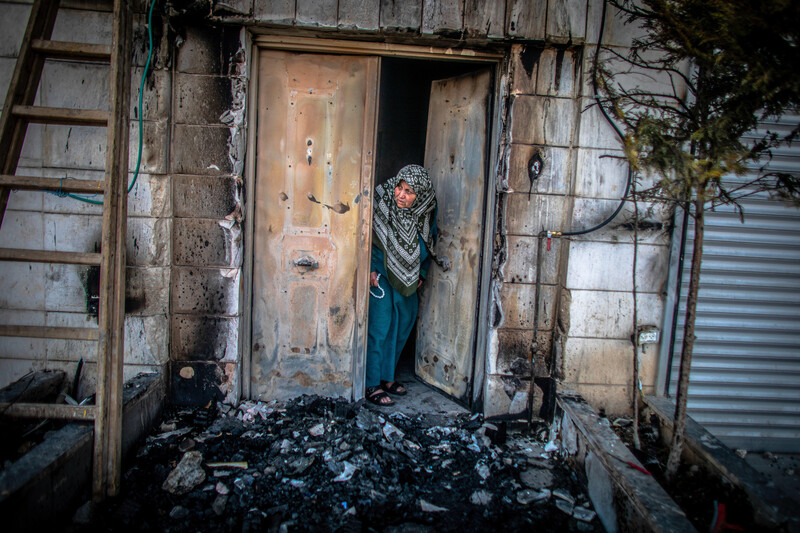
point(379, 397)
point(395, 388)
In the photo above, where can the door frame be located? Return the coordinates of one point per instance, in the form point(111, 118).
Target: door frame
point(291, 43)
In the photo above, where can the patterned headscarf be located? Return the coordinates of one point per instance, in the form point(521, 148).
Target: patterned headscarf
point(396, 229)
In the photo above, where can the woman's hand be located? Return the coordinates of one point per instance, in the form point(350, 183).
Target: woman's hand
point(373, 278)
point(419, 283)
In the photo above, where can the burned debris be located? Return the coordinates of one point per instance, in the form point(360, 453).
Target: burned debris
point(318, 464)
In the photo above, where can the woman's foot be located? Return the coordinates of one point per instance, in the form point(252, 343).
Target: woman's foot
point(379, 397)
point(394, 387)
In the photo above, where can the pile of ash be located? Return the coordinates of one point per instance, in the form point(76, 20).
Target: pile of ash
point(320, 464)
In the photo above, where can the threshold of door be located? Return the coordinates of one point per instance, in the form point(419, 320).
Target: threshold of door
point(421, 400)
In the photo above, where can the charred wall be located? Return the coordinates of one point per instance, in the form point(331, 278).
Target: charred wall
point(206, 161)
point(185, 248)
point(534, 196)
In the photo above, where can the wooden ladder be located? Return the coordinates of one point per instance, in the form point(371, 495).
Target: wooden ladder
point(18, 112)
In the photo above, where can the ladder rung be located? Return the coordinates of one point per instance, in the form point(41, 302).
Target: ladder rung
point(47, 256)
point(48, 410)
point(76, 51)
point(32, 183)
point(59, 115)
point(51, 332)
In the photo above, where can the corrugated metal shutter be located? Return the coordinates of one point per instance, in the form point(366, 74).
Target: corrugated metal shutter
point(745, 380)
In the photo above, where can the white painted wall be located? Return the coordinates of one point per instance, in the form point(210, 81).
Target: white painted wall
point(54, 295)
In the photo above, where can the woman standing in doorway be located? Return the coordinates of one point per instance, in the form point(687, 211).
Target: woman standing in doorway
point(404, 231)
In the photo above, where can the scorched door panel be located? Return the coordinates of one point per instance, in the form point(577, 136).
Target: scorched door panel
point(310, 224)
point(455, 156)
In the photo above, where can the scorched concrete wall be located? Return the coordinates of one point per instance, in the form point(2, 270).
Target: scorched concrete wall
point(185, 248)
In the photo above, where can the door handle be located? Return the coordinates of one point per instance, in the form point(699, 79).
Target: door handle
point(306, 262)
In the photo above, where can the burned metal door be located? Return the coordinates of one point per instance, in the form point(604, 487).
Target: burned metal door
point(455, 156)
point(311, 223)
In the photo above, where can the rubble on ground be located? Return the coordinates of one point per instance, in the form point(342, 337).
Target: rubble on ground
point(319, 464)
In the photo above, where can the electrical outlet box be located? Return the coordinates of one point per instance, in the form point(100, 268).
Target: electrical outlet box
point(648, 336)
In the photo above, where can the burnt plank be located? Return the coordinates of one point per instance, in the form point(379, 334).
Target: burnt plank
point(526, 19)
point(401, 14)
point(359, 14)
point(72, 51)
point(33, 183)
point(484, 18)
point(442, 16)
point(40, 386)
point(48, 410)
point(317, 13)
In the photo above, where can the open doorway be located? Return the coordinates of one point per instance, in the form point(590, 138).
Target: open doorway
point(317, 112)
point(436, 114)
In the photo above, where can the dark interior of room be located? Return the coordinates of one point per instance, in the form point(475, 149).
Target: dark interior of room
point(402, 123)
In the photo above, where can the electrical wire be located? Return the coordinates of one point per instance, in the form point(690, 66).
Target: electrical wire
point(619, 133)
point(87, 199)
point(540, 237)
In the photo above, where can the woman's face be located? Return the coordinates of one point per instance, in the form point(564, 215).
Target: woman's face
point(404, 195)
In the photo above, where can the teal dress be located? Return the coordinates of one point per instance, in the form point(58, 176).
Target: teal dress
point(391, 319)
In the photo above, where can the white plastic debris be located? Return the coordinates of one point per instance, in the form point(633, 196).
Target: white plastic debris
point(565, 506)
point(430, 508)
point(390, 429)
point(347, 473)
point(411, 445)
point(481, 497)
point(561, 494)
point(219, 504)
point(474, 446)
point(583, 514)
point(169, 434)
point(440, 449)
point(286, 445)
point(483, 470)
point(527, 496)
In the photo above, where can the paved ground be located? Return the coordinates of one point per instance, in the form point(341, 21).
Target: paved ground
point(422, 399)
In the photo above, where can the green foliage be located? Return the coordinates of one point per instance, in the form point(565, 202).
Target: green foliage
point(703, 76)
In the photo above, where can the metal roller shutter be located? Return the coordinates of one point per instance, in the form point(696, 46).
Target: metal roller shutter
point(745, 380)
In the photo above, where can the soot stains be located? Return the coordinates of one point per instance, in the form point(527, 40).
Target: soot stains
point(204, 385)
point(530, 58)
